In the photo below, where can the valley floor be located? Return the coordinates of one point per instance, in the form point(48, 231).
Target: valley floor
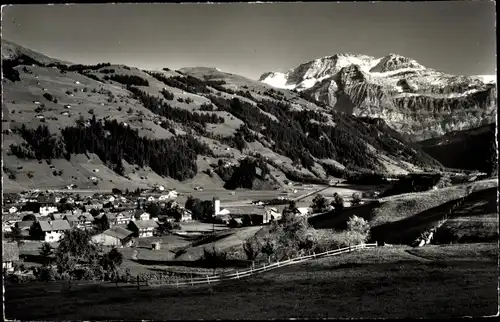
point(387, 282)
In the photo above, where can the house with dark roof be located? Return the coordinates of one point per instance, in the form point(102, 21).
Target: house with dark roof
point(72, 220)
point(23, 228)
point(115, 236)
point(143, 228)
point(51, 230)
point(10, 255)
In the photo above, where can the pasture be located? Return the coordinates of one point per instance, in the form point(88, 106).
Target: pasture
point(386, 282)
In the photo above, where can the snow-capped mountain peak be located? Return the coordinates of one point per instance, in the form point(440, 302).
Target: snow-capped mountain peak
point(308, 74)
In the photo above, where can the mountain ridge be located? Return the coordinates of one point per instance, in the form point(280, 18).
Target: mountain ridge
point(397, 89)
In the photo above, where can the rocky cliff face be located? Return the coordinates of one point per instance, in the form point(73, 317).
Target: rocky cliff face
point(415, 100)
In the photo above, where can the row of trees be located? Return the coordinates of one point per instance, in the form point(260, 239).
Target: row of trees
point(158, 106)
point(128, 80)
point(292, 236)
point(112, 142)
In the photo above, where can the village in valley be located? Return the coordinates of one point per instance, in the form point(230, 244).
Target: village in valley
point(120, 219)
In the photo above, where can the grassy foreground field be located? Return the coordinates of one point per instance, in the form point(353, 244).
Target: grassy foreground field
point(387, 282)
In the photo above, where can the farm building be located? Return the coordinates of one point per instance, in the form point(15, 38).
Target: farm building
point(114, 236)
point(51, 230)
point(12, 210)
point(143, 228)
point(10, 255)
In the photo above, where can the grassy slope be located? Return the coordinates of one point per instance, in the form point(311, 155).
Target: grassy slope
point(453, 149)
point(380, 283)
point(400, 207)
point(481, 205)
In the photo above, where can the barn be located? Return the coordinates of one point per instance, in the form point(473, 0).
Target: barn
point(115, 236)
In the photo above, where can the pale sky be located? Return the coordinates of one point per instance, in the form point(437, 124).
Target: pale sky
point(250, 39)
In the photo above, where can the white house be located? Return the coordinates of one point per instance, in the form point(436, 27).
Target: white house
point(303, 211)
point(12, 210)
point(151, 199)
point(111, 199)
point(271, 214)
point(124, 218)
point(187, 215)
point(52, 230)
point(141, 215)
point(47, 210)
point(67, 106)
point(77, 82)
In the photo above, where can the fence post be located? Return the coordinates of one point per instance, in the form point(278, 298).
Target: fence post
point(314, 254)
point(237, 275)
point(208, 279)
point(278, 262)
point(192, 279)
point(264, 266)
point(138, 287)
point(177, 281)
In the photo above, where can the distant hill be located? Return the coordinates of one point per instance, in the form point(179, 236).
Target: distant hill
point(108, 125)
point(473, 149)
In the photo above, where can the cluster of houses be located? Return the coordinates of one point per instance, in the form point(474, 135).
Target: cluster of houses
point(119, 218)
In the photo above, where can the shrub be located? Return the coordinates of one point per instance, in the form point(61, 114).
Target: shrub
point(168, 95)
point(358, 230)
point(337, 203)
point(48, 96)
point(252, 248)
point(356, 199)
point(319, 204)
point(180, 100)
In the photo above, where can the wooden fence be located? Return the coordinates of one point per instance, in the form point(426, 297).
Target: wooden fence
point(209, 279)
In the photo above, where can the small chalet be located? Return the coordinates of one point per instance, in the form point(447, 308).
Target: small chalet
point(115, 236)
point(47, 210)
point(143, 228)
point(141, 215)
point(124, 218)
point(186, 215)
point(52, 230)
point(10, 255)
point(85, 221)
